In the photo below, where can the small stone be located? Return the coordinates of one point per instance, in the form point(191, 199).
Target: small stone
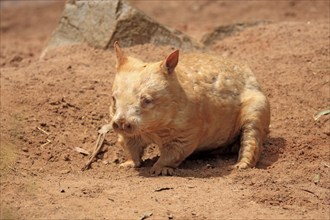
point(146, 215)
point(25, 149)
point(105, 162)
point(209, 166)
point(64, 171)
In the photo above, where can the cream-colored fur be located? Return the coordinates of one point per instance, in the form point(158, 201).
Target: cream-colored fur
point(186, 104)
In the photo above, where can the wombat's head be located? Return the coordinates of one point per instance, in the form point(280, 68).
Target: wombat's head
point(142, 94)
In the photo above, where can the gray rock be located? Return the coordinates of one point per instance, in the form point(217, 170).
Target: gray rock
point(221, 32)
point(101, 23)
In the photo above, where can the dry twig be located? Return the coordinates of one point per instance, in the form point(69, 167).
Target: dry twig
point(100, 139)
point(318, 114)
point(326, 165)
point(43, 131)
point(81, 151)
point(48, 142)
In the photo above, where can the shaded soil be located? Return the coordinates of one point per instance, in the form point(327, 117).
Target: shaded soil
point(51, 106)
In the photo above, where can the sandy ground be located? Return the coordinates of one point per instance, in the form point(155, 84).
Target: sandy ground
point(51, 106)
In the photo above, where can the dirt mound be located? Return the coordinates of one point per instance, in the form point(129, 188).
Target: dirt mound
point(51, 106)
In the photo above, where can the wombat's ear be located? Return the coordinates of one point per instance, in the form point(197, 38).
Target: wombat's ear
point(171, 61)
point(121, 57)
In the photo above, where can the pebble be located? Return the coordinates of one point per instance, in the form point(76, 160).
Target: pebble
point(105, 162)
point(64, 171)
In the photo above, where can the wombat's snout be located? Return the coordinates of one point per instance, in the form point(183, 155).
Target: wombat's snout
point(122, 125)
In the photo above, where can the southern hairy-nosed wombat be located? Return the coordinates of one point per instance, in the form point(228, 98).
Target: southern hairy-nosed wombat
point(192, 103)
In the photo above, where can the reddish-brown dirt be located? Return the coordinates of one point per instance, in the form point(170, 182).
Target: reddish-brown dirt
point(51, 106)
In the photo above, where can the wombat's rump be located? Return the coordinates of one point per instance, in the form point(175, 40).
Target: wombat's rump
point(197, 102)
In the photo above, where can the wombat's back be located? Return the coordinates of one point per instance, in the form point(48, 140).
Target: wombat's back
point(206, 75)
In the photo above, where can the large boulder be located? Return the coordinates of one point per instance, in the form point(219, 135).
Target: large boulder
point(101, 23)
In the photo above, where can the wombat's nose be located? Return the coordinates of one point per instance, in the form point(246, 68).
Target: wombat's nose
point(122, 125)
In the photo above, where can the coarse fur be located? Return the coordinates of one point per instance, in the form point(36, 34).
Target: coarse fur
point(188, 104)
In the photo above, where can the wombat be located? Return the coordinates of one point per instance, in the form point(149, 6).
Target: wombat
point(195, 103)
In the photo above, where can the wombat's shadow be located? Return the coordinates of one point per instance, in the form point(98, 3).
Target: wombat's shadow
point(219, 163)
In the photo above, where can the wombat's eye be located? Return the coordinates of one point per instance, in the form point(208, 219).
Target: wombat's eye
point(146, 101)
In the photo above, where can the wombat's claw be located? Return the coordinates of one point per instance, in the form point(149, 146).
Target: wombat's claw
point(130, 164)
point(164, 171)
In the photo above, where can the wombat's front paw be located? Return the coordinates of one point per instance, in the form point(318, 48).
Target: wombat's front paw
point(130, 163)
point(160, 170)
point(241, 165)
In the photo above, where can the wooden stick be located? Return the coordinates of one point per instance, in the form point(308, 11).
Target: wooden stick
point(48, 142)
point(98, 146)
point(43, 131)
